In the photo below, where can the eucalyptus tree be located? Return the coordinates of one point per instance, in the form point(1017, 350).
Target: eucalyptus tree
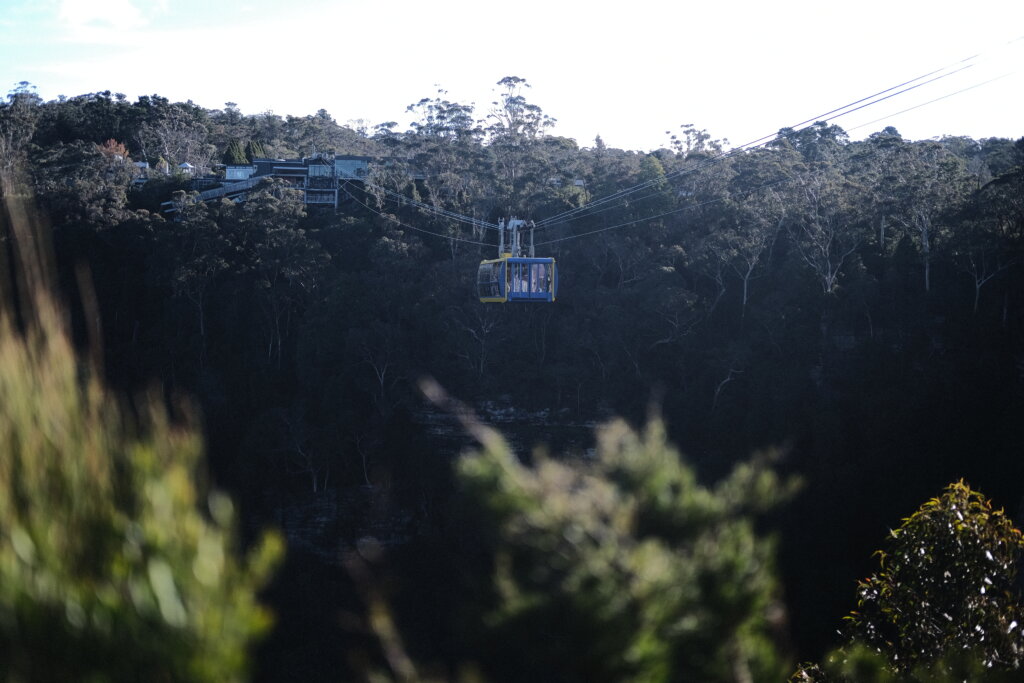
point(818, 142)
point(93, 117)
point(444, 146)
point(229, 130)
point(929, 184)
point(656, 197)
point(753, 215)
point(1003, 198)
point(971, 152)
point(989, 239)
point(83, 184)
point(871, 163)
point(478, 332)
point(268, 129)
point(176, 133)
point(19, 116)
point(827, 221)
point(709, 259)
point(516, 125)
point(693, 142)
point(559, 177)
point(1001, 154)
point(319, 133)
point(982, 251)
point(284, 264)
point(194, 252)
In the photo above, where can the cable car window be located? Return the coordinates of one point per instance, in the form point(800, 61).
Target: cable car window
point(540, 278)
point(490, 280)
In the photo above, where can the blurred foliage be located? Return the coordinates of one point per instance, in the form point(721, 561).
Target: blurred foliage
point(945, 604)
point(116, 564)
point(624, 567)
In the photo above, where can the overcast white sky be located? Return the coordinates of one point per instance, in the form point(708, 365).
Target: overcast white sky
point(628, 71)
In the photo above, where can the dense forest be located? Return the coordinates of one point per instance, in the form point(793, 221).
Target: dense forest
point(853, 310)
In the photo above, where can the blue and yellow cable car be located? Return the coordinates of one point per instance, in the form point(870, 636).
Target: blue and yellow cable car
point(517, 278)
point(512, 277)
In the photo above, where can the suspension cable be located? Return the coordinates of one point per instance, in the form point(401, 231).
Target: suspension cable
point(413, 227)
point(398, 197)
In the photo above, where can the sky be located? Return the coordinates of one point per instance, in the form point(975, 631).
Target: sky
point(632, 72)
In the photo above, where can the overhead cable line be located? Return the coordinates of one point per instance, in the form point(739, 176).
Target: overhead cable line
point(413, 227)
point(924, 104)
point(660, 215)
point(434, 209)
point(827, 116)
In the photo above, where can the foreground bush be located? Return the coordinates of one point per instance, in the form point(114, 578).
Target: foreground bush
point(624, 567)
point(945, 603)
point(115, 565)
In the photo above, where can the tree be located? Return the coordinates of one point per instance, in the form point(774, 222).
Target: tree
point(516, 127)
point(754, 215)
point(990, 244)
point(514, 117)
point(443, 145)
point(824, 225)
point(929, 182)
point(227, 126)
point(82, 183)
point(870, 163)
point(196, 251)
point(694, 142)
point(18, 119)
point(657, 195)
point(254, 150)
point(624, 567)
point(980, 249)
point(178, 133)
point(234, 155)
point(945, 595)
point(93, 117)
point(818, 142)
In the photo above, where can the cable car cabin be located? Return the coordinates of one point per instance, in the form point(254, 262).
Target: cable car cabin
point(515, 278)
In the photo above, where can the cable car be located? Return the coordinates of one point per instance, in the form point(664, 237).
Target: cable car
point(513, 277)
point(517, 278)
